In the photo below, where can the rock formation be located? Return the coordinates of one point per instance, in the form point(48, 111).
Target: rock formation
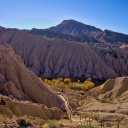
point(110, 100)
point(21, 108)
point(17, 80)
point(111, 88)
point(124, 47)
point(60, 58)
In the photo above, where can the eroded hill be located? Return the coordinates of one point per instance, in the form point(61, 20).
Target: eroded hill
point(23, 84)
point(60, 58)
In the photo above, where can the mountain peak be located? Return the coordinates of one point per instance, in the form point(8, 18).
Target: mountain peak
point(73, 27)
point(70, 21)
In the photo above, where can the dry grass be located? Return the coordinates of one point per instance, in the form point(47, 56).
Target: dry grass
point(4, 116)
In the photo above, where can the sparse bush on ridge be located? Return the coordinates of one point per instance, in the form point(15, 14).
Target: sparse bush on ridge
point(103, 100)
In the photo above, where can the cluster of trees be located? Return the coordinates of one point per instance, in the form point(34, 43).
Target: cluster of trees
point(69, 85)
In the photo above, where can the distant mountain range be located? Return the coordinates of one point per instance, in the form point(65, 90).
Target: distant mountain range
point(72, 30)
point(54, 34)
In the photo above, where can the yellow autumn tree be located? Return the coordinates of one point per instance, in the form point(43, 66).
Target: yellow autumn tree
point(67, 80)
point(88, 84)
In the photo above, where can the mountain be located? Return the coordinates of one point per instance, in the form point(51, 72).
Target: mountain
point(73, 27)
point(72, 30)
point(23, 84)
point(61, 58)
point(111, 37)
point(53, 34)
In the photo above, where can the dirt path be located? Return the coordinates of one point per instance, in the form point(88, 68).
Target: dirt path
point(75, 120)
point(67, 106)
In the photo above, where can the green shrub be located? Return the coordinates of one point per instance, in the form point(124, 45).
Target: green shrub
point(54, 124)
point(103, 100)
point(86, 126)
point(4, 116)
point(111, 98)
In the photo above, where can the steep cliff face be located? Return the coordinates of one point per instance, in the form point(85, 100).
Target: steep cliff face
point(17, 80)
point(61, 58)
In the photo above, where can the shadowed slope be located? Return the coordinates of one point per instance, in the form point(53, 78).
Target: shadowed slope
point(17, 80)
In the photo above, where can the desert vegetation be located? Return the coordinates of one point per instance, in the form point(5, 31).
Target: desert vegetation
point(67, 84)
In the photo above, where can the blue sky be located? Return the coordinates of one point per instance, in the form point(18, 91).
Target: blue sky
point(27, 14)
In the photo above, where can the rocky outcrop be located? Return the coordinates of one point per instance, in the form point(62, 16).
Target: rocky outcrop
point(17, 80)
point(111, 88)
point(60, 58)
point(110, 100)
point(125, 47)
point(21, 108)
